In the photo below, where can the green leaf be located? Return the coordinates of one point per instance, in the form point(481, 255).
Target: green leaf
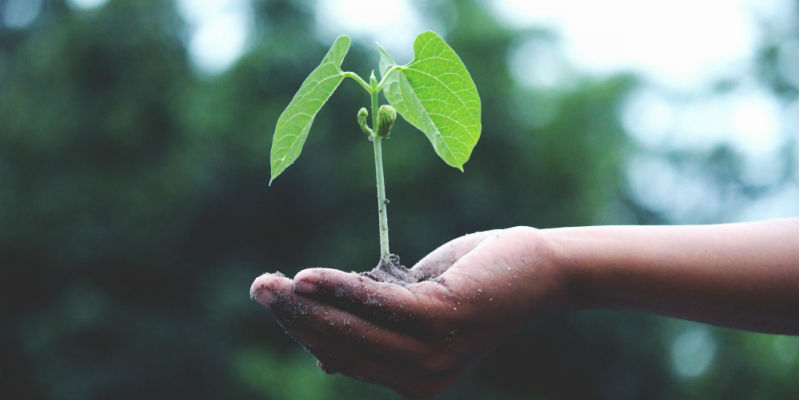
point(435, 93)
point(295, 121)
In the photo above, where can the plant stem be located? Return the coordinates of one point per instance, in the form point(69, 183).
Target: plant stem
point(383, 221)
point(355, 77)
point(386, 75)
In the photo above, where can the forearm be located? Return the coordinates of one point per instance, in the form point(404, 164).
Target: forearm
point(737, 275)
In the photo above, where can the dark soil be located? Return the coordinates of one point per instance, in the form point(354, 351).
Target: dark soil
point(394, 272)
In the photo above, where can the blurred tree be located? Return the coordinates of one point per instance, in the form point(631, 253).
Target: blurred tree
point(134, 213)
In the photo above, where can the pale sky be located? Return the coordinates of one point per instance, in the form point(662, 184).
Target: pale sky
point(680, 43)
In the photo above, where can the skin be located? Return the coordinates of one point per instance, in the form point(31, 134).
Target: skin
point(418, 339)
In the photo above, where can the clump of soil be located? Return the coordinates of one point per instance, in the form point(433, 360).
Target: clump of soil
point(391, 271)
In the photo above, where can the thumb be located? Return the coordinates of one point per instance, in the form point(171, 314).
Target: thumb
point(439, 260)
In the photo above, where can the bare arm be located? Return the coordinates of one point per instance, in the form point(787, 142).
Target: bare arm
point(742, 276)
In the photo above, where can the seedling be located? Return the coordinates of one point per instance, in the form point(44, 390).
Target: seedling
point(433, 92)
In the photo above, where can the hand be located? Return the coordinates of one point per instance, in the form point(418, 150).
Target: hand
point(419, 338)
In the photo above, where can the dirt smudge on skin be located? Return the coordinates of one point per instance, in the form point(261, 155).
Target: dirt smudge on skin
point(288, 305)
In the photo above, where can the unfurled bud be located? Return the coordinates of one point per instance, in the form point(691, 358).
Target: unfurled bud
point(373, 81)
point(362, 121)
point(386, 117)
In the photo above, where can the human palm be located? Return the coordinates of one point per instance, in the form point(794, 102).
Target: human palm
point(418, 338)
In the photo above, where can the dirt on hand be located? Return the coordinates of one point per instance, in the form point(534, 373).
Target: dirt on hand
point(392, 271)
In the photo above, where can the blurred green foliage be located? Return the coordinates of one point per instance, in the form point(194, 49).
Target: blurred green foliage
point(134, 214)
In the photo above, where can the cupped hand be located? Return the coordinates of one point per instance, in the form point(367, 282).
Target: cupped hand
point(419, 338)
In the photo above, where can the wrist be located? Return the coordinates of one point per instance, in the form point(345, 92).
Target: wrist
point(565, 252)
point(552, 267)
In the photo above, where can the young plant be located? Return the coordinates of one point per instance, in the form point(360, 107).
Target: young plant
point(433, 92)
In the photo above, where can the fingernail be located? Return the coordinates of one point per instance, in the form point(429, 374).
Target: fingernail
point(263, 296)
point(305, 287)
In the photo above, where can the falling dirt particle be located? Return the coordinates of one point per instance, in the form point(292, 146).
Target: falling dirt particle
point(480, 290)
point(508, 268)
point(455, 309)
point(491, 298)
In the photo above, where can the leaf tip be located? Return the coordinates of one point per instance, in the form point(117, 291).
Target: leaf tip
point(276, 171)
point(343, 40)
point(428, 33)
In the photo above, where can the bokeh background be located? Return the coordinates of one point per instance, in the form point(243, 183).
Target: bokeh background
point(134, 209)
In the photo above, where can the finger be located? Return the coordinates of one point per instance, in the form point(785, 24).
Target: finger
point(297, 312)
point(488, 260)
point(487, 282)
point(267, 287)
point(423, 375)
point(276, 292)
point(413, 380)
point(386, 304)
point(439, 260)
